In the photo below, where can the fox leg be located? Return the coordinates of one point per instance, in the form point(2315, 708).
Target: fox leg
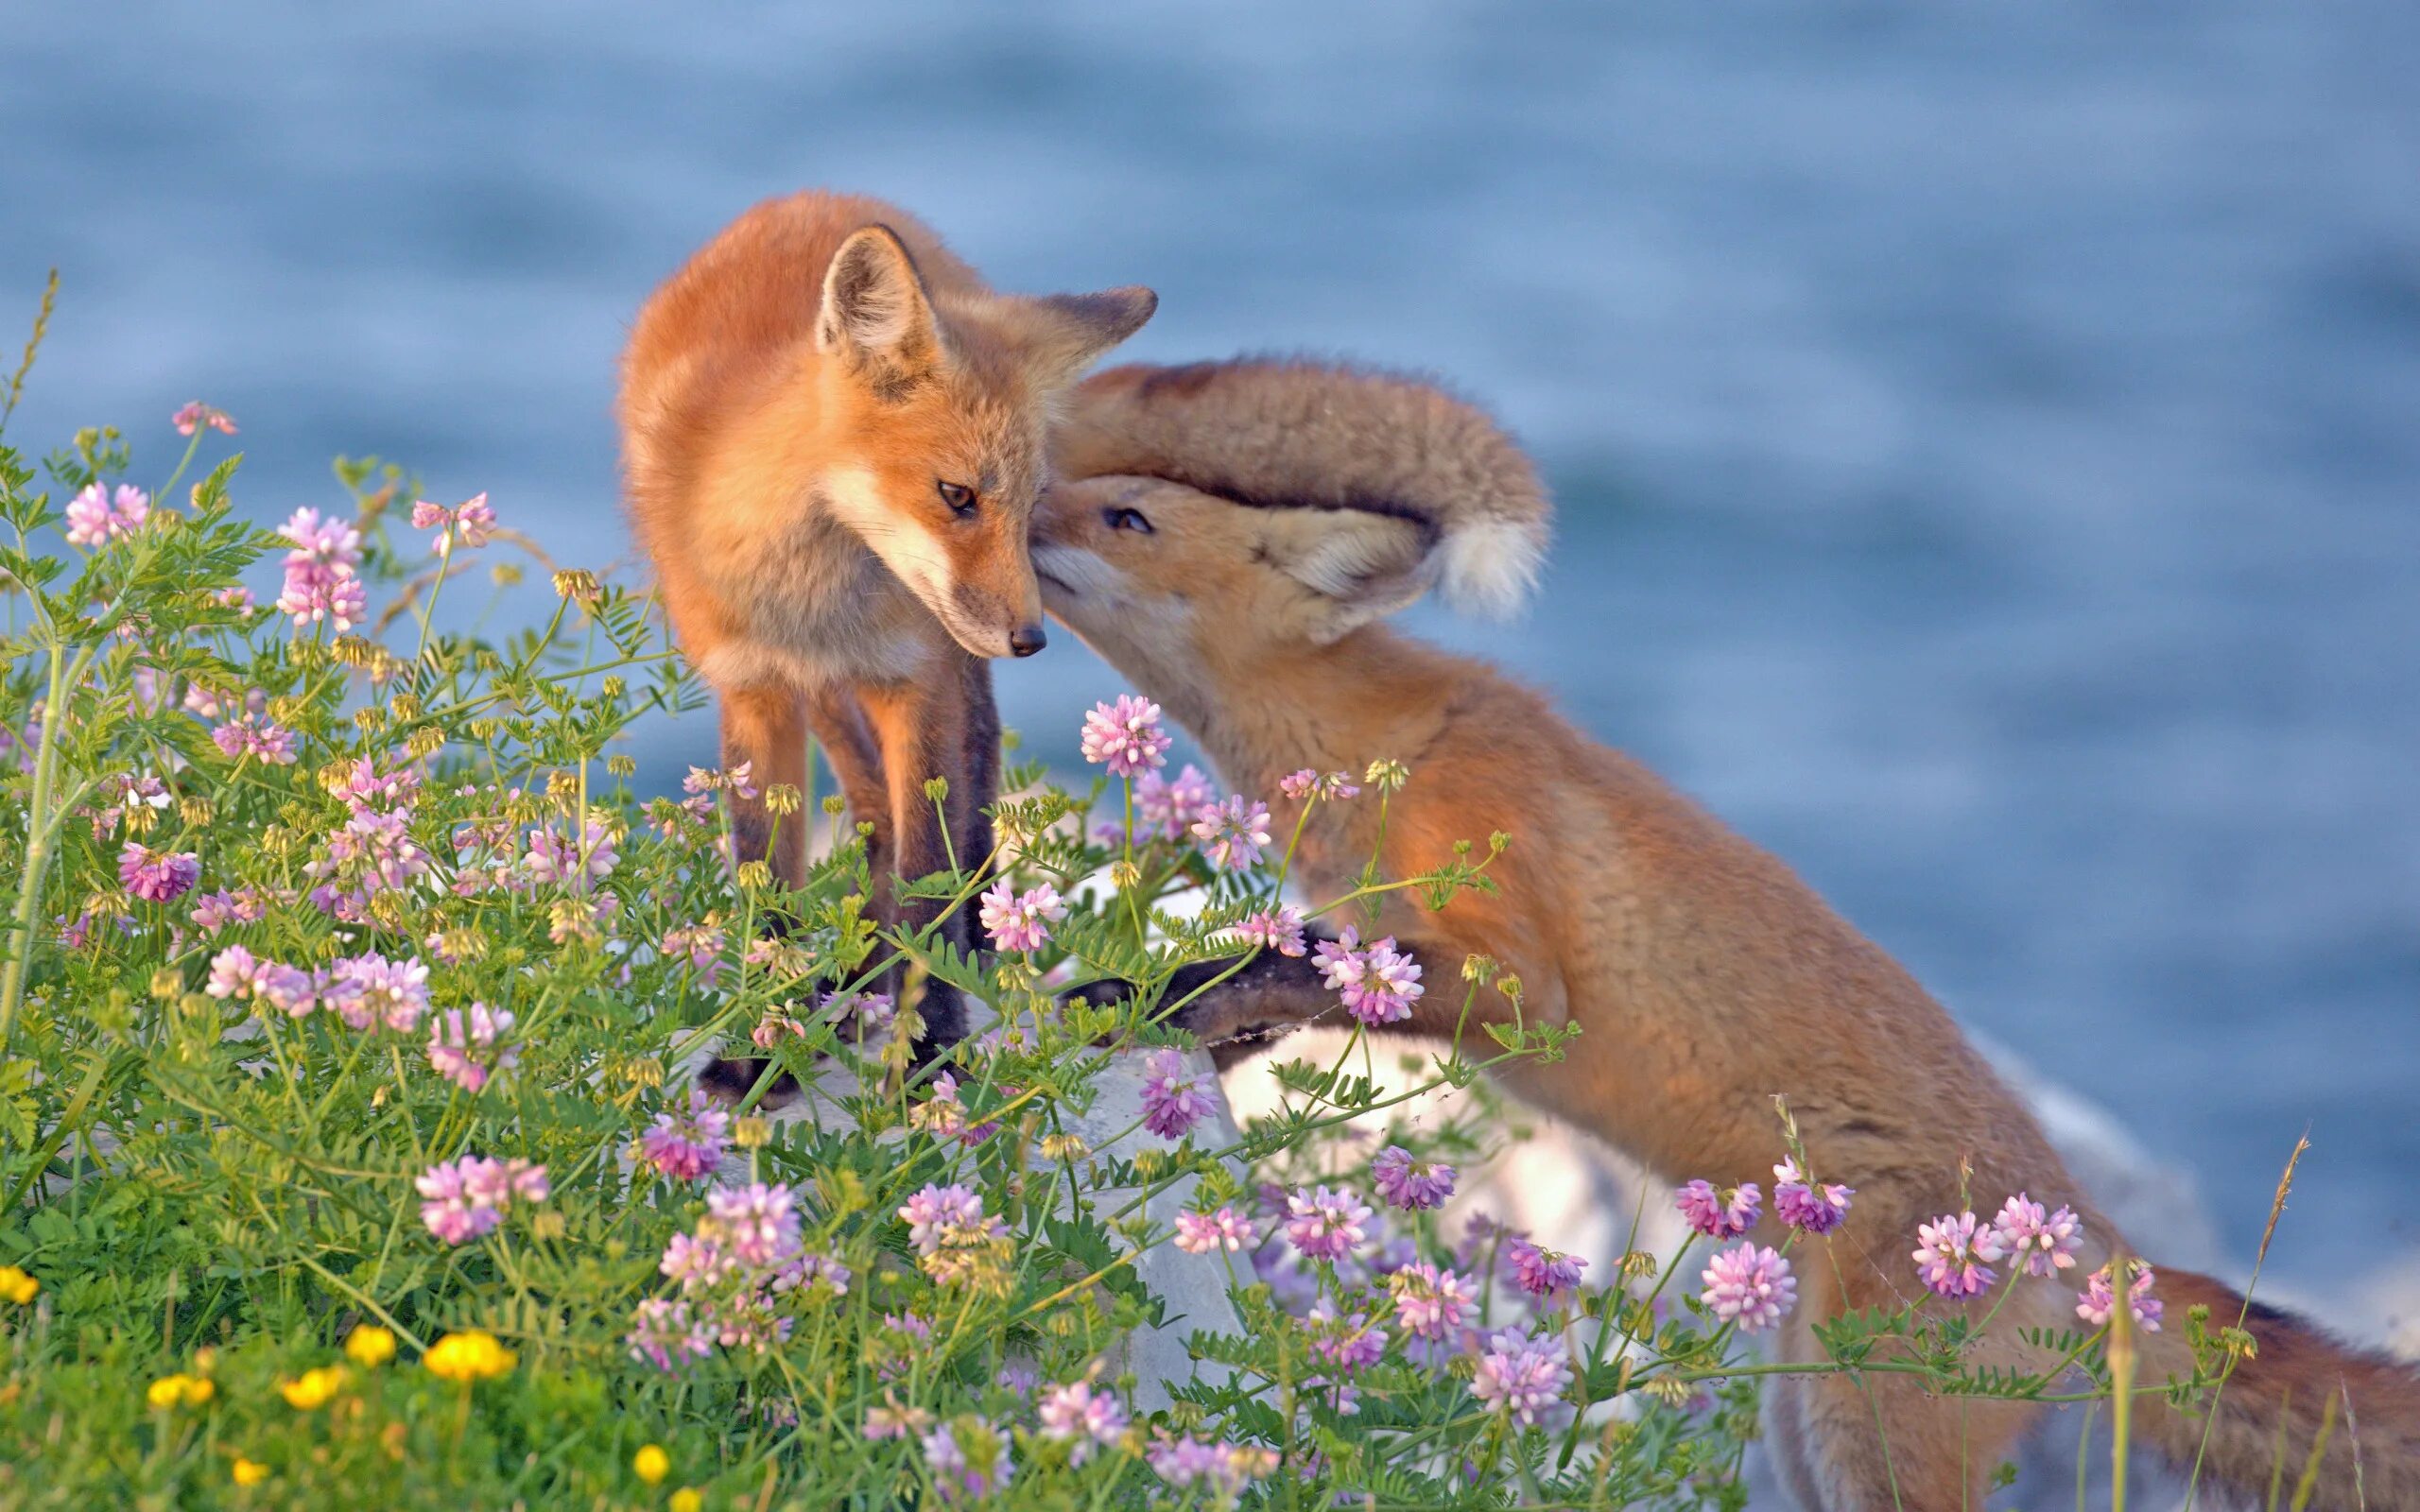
point(923, 728)
point(765, 726)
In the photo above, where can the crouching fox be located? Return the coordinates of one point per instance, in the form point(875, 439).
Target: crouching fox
point(833, 435)
point(1228, 534)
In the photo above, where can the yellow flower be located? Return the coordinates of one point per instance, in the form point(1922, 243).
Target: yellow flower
point(250, 1472)
point(370, 1346)
point(471, 1355)
point(168, 1391)
point(17, 1286)
point(313, 1388)
point(652, 1464)
point(197, 1390)
point(684, 1500)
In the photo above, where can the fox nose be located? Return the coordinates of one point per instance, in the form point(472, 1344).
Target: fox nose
point(1027, 639)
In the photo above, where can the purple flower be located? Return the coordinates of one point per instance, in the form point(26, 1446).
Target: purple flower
point(366, 990)
point(695, 1262)
point(1377, 983)
point(1803, 1206)
point(1310, 784)
point(969, 1460)
point(471, 521)
point(1021, 921)
point(1750, 1286)
point(1325, 1225)
point(1234, 833)
point(688, 1146)
point(554, 857)
point(758, 1223)
point(1719, 1214)
point(1199, 1233)
point(1165, 805)
point(935, 1210)
point(1521, 1375)
point(95, 517)
point(1952, 1254)
point(1076, 1412)
point(159, 876)
point(193, 414)
point(467, 1197)
point(2043, 1243)
point(1347, 1342)
point(322, 580)
point(1172, 1101)
point(663, 1335)
point(943, 1115)
point(1433, 1304)
point(1126, 736)
point(461, 1041)
point(1542, 1272)
point(1410, 1184)
point(2099, 1299)
point(251, 735)
point(1224, 1469)
point(1278, 929)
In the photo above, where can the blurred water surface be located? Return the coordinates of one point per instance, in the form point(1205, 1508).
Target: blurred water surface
point(1986, 442)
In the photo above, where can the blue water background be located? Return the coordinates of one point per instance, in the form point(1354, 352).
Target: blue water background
point(1987, 439)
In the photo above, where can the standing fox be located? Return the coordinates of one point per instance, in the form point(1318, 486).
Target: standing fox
point(1224, 534)
point(833, 435)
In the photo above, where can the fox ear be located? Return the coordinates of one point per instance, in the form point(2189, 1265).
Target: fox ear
point(875, 311)
point(1363, 565)
point(1071, 330)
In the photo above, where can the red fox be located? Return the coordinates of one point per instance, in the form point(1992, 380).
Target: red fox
point(832, 437)
point(1225, 534)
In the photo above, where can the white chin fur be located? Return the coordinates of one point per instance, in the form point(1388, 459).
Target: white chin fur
point(1490, 566)
point(1080, 570)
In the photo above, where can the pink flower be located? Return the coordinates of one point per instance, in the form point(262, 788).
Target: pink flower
point(2043, 1243)
point(1815, 1209)
point(368, 990)
point(943, 1115)
point(322, 576)
point(1308, 783)
point(471, 522)
point(251, 735)
point(687, 1147)
point(663, 1335)
point(1200, 1233)
point(959, 1476)
point(1520, 1375)
point(1224, 1469)
point(1234, 833)
point(1172, 1101)
point(1750, 1286)
point(195, 414)
point(1433, 1304)
point(935, 1210)
point(1093, 1419)
point(557, 859)
point(1377, 983)
point(233, 974)
point(458, 1043)
point(159, 876)
point(758, 1223)
point(2099, 1299)
point(1278, 929)
point(1165, 806)
point(1953, 1254)
point(1542, 1272)
point(1720, 1214)
point(1410, 1184)
point(1126, 736)
point(695, 1262)
point(95, 517)
point(467, 1197)
point(1325, 1225)
point(1021, 923)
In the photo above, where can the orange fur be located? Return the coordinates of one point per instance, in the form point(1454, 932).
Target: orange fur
point(832, 438)
point(1707, 976)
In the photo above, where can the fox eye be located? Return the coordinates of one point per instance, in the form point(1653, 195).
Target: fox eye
point(1127, 520)
point(958, 496)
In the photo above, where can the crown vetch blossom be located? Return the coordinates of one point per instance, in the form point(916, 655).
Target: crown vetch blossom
point(96, 516)
point(758, 1223)
point(1172, 1101)
point(1520, 1375)
point(367, 990)
point(1407, 1183)
point(1278, 929)
point(1542, 1272)
point(249, 734)
point(1232, 834)
point(664, 1334)
point(462, 1045)
point(1199, 1233)
point(969, 1459)
point(1750, 1286)
point(157, 876)
point(1092, 1419)
point(1224, 1469)
point(467, 1197)
point(1430, 1302)
point(1325, 1224)
point(1126, 736)
point(1164, 806)
point(1815, 1210)
point(2042, 1243)
point(1021, 921)
point(471, 522)
point(688, 1146)
point(1954, 1252)
point(2099, 1299)
point(1720, 1214)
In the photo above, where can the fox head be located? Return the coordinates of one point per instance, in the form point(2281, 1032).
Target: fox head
point(1209, 523)
point(945, 401)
